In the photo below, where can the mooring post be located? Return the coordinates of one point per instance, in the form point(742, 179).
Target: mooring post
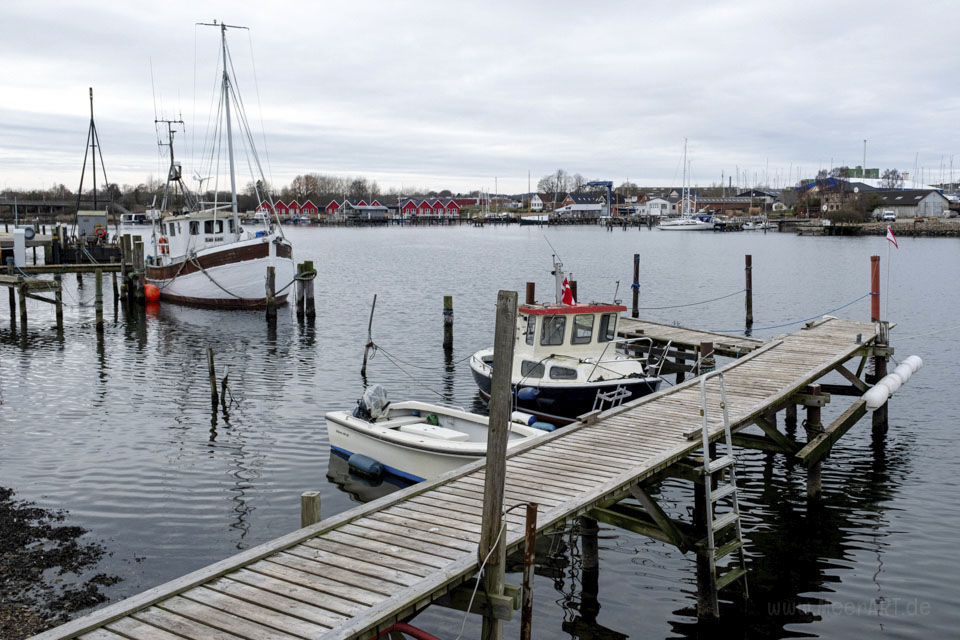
point(98, 300)
point(790, 419)
point(529, 560)
point(140, 271)
point(308, 301)
point(590, 578)
point(309, 508)
point(299, 292)
point(874, 288)
point(271, 294)
point(22, 288)
point(707, 360)
point(13, 296)
point(531, 293)
point(708, 606)
point(58, 301)
point(635, 313)
point(448, 322)
point(492, 546)
point(748, 275)
point(369, 345)
point(212, 372)
point(79, 280)
point(813, 427)
point(55, 245)
point(880, 422)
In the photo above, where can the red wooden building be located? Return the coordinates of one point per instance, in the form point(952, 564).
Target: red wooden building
point(309, 209)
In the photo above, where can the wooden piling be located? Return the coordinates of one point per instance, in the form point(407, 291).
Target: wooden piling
point(880, 416)
point(635, 313)
point(271, 294)
point(590, 563)
point(529, 561)
point(13, 296)
point(814, 428)
point(790, 419)
point(874, 288)
point(492, 546)
point(707, 360)
point(98, 300)
point(531, 293)
point(116, 292)
point(212, 372)
point(748, 286)
point(22, 289)
point(309, 304)
point(124, 260)
point(309, 508)
point(448, 322)
point(58, 301)
point(708, 606)
point(299, 292)
point(139, 266)
point(369, 345)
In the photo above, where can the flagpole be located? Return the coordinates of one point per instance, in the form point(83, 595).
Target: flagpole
point(886, 306)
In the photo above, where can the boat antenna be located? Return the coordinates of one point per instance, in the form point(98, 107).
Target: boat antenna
point(555, 252)
point(93, 149)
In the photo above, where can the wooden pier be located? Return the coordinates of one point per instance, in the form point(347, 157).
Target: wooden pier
point(357, 573)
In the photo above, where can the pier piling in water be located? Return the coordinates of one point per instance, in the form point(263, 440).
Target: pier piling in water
point(13, 297)
point(309, 304)
point(880, 370)
point(58, 301)
point(139, 271)
point(636, 286)
point(98, 300)
point(22, 289)
point(309, 508)
point(529, 562)
point(299, 292)
point(748, 286)
point(271, 294)
point(814, 428)
point(448, 322)
point(212, 372)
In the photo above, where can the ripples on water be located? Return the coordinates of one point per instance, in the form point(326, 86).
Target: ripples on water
point(121, 432)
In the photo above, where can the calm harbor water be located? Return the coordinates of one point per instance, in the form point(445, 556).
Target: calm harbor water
point(120, 432)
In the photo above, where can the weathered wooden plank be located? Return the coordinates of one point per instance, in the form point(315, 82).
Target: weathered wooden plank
point(255, 612)
point(290, 569)
point(360, 539)
point(103, 634)
point(286, 589)
point(334, 549)
point(370, 532)
point(280, 603)
point(213, 617)
point(453, 538)
point(181, 626)
point(131, 628)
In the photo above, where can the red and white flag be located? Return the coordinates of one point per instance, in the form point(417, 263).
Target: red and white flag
point(566, 294)
point(892, 238)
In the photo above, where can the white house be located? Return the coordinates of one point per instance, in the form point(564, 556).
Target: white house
point(657, 207)
point(536, 203)
point(913, 203)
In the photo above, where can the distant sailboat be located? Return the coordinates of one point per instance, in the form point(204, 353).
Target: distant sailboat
point(688, 220)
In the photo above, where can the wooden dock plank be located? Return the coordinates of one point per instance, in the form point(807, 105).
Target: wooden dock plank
point(222, 620)
point(255, 613)
point(290, 607)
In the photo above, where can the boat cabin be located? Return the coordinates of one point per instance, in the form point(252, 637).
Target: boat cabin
point(577, 330)
point(180, 235)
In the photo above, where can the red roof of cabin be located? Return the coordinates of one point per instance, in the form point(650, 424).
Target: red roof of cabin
point(309, 205)
point(563, 309)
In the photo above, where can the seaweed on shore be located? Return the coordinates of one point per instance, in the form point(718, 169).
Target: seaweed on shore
point(43, 568)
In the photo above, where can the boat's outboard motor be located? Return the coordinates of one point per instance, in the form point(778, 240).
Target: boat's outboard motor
point(372, 404)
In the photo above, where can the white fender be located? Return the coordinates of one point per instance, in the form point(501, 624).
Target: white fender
point(876, 397)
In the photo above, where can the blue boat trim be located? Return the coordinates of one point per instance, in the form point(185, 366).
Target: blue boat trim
point(391, 470)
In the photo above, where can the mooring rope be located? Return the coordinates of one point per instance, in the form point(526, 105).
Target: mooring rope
point(691, 304)
point(788, 324)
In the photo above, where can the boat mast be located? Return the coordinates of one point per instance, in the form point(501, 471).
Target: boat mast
point(683, 188)
point(226, 103)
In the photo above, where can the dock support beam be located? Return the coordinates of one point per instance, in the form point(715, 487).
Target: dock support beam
point(309, 508)
point(448, 322)
point(13, 297)
point(635, 313)
point(814, 428)
point(529, 560)
point(22, 289)
point(492, 545)
point(590, 578)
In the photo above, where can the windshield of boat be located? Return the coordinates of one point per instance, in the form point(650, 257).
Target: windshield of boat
point(608, 327)
point(553, 330)
point(531, 328)
point(582, 329)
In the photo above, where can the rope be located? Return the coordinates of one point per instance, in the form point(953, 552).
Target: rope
point(692, 304)
point(930, 333)
point(419, 366)
point(227, 291)
point(788, 324)
point(408, 374)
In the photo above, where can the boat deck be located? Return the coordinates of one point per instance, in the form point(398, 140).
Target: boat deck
point(360, 571)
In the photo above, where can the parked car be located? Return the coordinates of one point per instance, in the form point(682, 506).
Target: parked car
point(889, 216)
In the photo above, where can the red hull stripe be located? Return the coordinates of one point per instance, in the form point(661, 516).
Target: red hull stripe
point(564, 309)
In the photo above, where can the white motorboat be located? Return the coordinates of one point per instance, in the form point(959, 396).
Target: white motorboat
point(198, 253)
point(687, 223)
point(417, 440)
point(566, 360)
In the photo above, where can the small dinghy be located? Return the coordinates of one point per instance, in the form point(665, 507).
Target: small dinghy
point(417, 440)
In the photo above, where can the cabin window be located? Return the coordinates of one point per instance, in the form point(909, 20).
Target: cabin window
point(194, 227)
point(172, 229)
point(608, 327)
point(531, 328)
point(208, 226)
point(232, 228)
point(562, 373)
point(530, 369)
point(219, 225)
point(553, 329)
point(582, 329)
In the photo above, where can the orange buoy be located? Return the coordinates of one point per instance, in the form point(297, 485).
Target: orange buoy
point(152, 308)
point(151, 292)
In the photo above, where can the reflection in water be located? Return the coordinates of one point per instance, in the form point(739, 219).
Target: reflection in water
point(360, 489)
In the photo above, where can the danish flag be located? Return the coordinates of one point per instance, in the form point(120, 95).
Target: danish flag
point(566, 294)
point(892, 238)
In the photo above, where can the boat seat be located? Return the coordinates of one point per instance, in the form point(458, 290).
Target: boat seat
point(433, 431)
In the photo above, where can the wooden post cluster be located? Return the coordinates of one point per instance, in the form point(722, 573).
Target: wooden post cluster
point(492, 544)
point(448, 322)
point(636, 285)
point(748, 286)
point(271, 294)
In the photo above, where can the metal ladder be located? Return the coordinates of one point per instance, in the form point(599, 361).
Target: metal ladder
point(614, 397)
point(725, 489)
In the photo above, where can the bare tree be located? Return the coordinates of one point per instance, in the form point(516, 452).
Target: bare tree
point(891, 179)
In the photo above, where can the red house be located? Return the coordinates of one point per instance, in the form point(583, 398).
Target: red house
point(376, 203)
point(362, 203)
point(264, 207)
point(309, 209)
point(453, 209)
point(293, 208)
point(424, 208)
point(332, 208)
point(409, 208)
point(281, 209)
point(437, 208)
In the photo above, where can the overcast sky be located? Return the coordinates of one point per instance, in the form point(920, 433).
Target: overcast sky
point(452, 95)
